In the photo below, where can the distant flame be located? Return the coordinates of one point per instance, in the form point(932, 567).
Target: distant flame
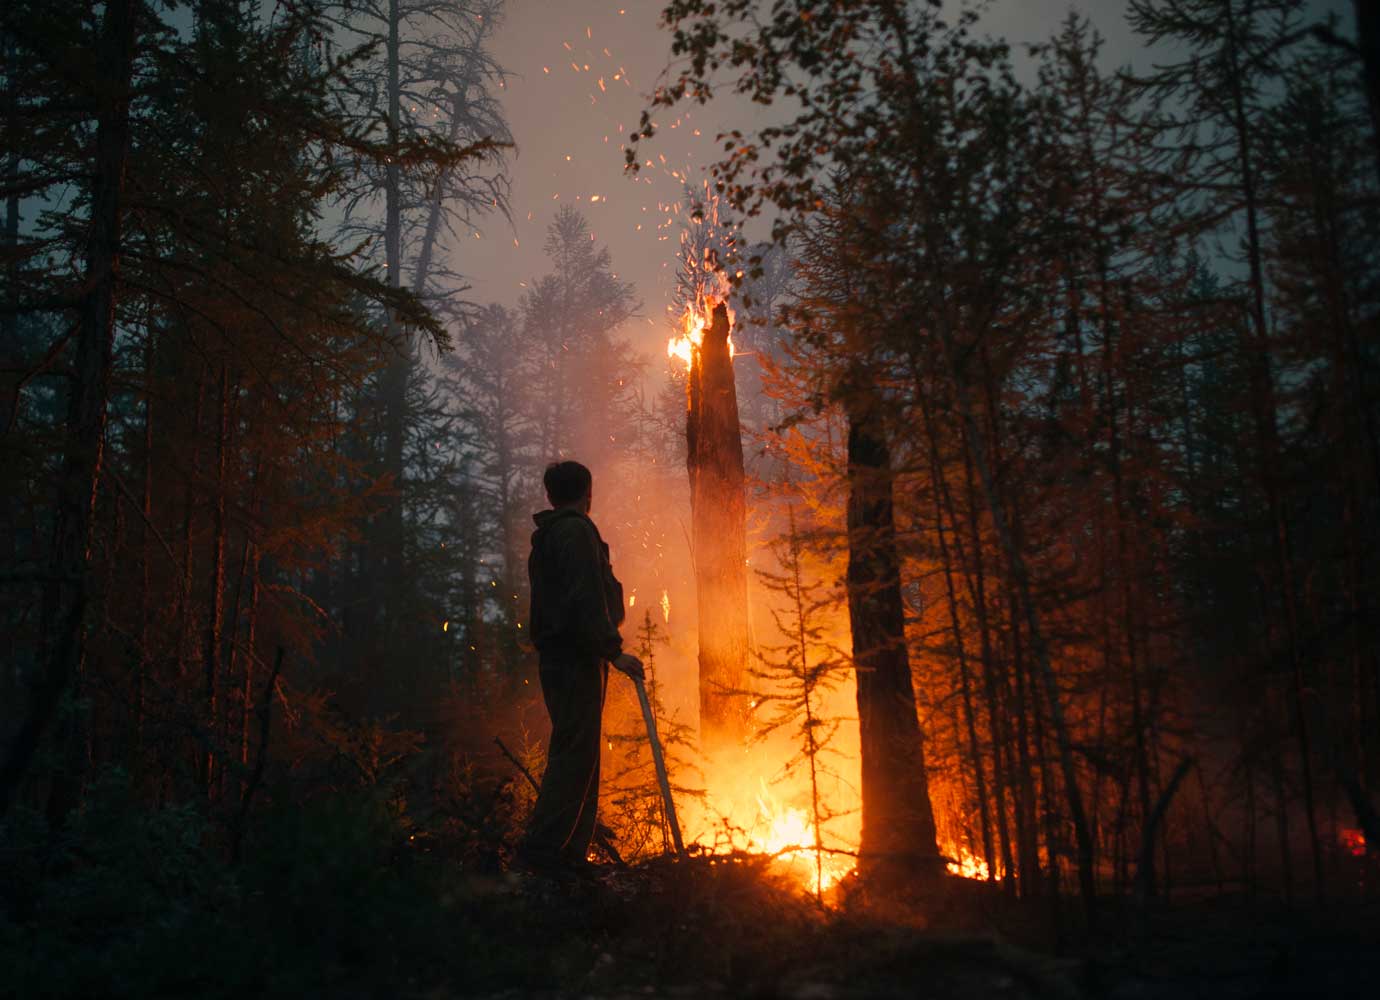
point(1353, 842)
point(666, 607)
point(967, 865)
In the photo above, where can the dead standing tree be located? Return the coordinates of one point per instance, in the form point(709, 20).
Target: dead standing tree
point(718, 509)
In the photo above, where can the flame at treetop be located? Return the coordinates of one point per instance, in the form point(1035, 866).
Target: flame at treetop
point(697, 317)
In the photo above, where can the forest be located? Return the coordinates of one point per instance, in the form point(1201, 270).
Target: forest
point(993, 482)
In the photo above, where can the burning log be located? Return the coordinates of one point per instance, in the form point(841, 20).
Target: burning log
point(714, 461)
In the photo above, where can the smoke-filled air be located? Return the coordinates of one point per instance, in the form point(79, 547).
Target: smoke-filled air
point(509, 498)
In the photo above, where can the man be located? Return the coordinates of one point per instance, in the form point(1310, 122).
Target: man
point(577, 606)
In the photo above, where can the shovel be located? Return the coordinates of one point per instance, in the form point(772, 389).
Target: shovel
point(660, 763)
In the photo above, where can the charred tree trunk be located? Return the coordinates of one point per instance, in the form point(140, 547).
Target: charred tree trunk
point(898, 832)
point(718, 510)
point(66, 592)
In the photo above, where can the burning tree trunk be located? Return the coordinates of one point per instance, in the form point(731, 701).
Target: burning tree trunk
point(898, 833)
point(714, 460)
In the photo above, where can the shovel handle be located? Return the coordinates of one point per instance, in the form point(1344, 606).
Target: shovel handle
point(660, 761)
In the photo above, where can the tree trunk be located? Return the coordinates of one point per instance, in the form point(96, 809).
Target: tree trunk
point(389, 533)
point(1368, 40)
point(898, 831)
point(1027, 835)
point(991, 683)
point(66, 592)
point(247, 686)
point(718, 511)
point(215, 612)
point(9, 316)
point(941, 490)
point(1020, 575)
point(1262, 391)
point(145, 552)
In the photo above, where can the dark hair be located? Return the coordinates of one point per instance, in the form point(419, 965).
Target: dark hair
point(566, 482)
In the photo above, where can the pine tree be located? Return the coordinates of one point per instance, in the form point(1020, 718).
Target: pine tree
point(794, 677)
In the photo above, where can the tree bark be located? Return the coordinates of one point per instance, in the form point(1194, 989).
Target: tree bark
point(718, 510)
point(898, 830)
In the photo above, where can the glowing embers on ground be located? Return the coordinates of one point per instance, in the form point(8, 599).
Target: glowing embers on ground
point(965, 864)
point(748, 820)
point(762, 823)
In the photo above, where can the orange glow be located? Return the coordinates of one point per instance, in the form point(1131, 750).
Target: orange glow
point(696, 319)
point(1353, 842)
point(743, 815)
point(966, 865)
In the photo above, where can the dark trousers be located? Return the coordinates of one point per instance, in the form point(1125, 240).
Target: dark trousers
point(562, 823)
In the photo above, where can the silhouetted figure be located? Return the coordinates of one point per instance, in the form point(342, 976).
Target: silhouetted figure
point(577, 606)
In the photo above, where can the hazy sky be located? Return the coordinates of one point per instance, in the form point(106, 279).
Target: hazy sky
point(581, 70)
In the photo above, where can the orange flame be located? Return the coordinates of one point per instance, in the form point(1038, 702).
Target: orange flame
point(697, 318)
point(766, 826)
point(967, 865)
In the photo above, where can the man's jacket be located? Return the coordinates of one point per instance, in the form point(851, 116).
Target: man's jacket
point(577, 602)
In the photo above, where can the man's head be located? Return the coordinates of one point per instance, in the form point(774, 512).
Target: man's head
point(568, 484)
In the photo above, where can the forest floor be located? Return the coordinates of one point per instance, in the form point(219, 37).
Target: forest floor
point(335, 899)
point(696, 929)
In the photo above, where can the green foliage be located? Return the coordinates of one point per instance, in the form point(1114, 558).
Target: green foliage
point(119, 904)
point(128, 901)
